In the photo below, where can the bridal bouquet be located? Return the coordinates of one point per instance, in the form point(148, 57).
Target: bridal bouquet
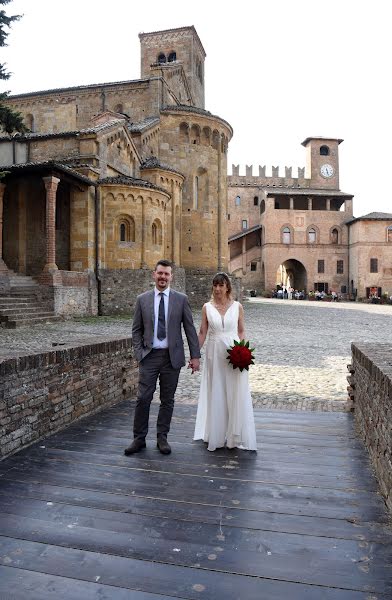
point(240, 355)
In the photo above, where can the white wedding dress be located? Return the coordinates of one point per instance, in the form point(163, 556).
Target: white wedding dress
point(225, 411)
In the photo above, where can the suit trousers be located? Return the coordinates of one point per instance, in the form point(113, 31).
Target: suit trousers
point(155, 365)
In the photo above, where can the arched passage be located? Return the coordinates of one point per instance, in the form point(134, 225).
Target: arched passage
point(292, 273)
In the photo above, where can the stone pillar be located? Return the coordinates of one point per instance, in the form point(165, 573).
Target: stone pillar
point(244, 254)
point(291, 203)
point(4, 273)
point(328, 203)
point(50, 274)
point(310, 204)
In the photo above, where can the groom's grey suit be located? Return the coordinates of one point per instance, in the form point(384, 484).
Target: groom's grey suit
point(165, 364)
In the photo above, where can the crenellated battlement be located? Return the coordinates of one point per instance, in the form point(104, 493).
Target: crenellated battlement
point(288, 180)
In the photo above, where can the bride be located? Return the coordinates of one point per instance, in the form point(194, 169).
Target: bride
point(225, 411)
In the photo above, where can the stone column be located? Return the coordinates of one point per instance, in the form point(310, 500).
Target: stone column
point(50, 274)
point(291, 203)
point(244, 254)
point(310, 204)
point(328, 203)
point(4, 273)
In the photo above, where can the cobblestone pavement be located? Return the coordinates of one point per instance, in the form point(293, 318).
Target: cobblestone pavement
point(302, 348)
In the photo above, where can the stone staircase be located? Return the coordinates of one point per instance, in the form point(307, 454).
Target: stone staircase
point(22, 306)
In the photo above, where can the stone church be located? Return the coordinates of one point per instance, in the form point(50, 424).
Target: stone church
point(111, 177)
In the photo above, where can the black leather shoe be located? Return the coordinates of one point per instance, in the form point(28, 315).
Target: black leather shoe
point(136, 446)
point(163, 445)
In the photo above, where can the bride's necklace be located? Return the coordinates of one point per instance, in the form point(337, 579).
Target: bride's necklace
point(221, 307)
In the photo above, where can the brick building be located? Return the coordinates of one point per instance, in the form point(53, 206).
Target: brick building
point(112, 177)
point(299, 231)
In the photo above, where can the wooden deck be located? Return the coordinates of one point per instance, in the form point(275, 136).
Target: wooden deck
point(301, 519)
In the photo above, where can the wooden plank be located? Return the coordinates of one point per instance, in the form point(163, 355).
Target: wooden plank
point(40, 586)
point(156, 576)
point(232, 470)
point(188, 511)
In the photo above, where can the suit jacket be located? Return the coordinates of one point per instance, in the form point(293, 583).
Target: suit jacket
point(179, 314)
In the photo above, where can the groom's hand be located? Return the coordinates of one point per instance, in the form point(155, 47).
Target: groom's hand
point(194, 364)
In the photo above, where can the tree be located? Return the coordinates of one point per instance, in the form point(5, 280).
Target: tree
point(10, 120)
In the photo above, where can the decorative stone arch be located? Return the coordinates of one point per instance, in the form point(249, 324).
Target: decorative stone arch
point(156, 232)
point(120, 197)
point(29, 121)
point(287, 234)
point(119, 108)
point(172, 56)
point(215, 139)
point(161, 58)
point(125, 228)
point(389, 234)
point(292, 273)
point(184, 133)
point(200, 191)
point(312, 235)
point(195, 135)
point(206, 136)
point(335, 235)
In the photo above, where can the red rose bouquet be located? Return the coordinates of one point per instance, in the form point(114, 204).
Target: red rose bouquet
point(240, 355)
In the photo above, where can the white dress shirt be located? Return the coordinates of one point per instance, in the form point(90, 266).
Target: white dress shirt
point(157, 298)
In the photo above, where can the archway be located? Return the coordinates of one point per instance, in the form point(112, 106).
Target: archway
point(292, 273)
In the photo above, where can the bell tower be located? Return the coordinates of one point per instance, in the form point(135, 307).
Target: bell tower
point(322, 162)
point(174, 47)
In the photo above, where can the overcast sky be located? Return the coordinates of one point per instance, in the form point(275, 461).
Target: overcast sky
point(278, 70)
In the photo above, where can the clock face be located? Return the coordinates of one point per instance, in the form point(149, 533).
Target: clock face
point(327, 170)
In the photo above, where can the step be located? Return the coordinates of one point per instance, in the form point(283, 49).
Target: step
point(24, 309)
point(30, 321)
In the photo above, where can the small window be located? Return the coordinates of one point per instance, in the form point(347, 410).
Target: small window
point(389, 234)
point(256, 201)
point(343, 289)
point(123, 233)
point(286, 235)
point(244, 224)
point(320, 266)
point(339, 267)
point(161, 59)
point(238, 200)
point(324, 151)
point(172, 57)
point(311, 236)
point(374, 265)
point(228, 217)
point(253, 266)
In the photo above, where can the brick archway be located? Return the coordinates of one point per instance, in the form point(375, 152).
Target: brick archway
point(292, 273)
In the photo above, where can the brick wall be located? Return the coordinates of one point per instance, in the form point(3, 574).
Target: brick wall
point(43, 393)
point(371, 391)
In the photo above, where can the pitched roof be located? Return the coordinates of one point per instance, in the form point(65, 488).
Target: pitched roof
point(236, 236)
point(131, 181)
point(143, 125)
point(373, 216)
point(48, 165)
point(61, 134)
point(154, 163)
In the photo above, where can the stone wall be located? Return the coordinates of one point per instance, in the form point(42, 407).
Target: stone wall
point(199, 285)
point(371, 393)
point(43, 393)
point(119, 288)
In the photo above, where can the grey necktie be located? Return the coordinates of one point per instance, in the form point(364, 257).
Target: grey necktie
point(161, 319)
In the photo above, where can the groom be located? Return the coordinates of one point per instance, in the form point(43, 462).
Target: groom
point(159, 350)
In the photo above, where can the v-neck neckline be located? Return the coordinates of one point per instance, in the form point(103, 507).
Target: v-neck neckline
point(227, 310)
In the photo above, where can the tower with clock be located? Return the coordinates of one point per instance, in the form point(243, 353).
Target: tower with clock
point(322, 162)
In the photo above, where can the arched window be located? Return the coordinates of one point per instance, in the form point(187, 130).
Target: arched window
point(324, 151)
point(286, 235)
point(238, 200)
point(256, 201)
point(172, 57)
point(161, 58)
point(334, 236)
point(119, 108)
point(389, 234)
point(311, 236)
point(156, 233)
point(126, 229)
point(184, 132)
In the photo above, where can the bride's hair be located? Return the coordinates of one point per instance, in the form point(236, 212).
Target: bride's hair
point(221, 278)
